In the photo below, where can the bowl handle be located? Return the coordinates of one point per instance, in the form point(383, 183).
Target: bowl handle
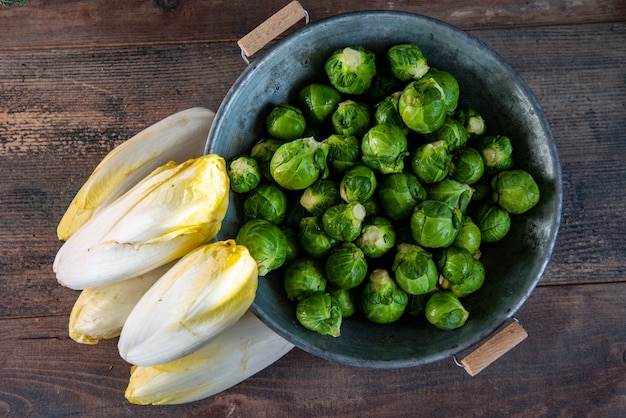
point(492, 349)
point(271, 28)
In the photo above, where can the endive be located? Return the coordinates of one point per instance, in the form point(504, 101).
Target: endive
point(205, 292)
point(100, 312)
point(236, 354)
point(173, 210)
point(178, 137)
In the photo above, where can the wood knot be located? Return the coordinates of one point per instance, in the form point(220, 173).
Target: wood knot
point(167, 5)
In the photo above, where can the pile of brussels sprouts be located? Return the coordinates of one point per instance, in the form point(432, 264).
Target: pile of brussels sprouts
point(374, 192)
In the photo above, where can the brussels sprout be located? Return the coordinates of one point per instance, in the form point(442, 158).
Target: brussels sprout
point(467, 166)
point(319, 196)
point(346, 267)
point(358, 184)
point(313, 240)
point(378, 236)
point(445, 311)
point(386, 112)
point(303, 276)
point(381, 300)
point(454, 193)
point(267, 201)
point(449, 85)
point(285, 122)
point(346, 299)
point(474, 123)
point(452, 133)
point(321, 313)
point(344, 152)
point(293, 247)
point(299, 163)
point(343, 221)
point(318, 101)
point(469, 236)
point(266, 242)
point(471, 282)
point(454, 263)
point(400, 192)
point(422, 106)
point(407, 62)
point(515, 190)
point(493, 221)
point(351, 69)
point(384, 148)
point(383, 84)
point(262, 152)
point(431, 162)
point(244, 173)
point(351, 118)
point(372, 207)
point(497, 153)
point(415, 270)
point(417, 304)
point(435, 224)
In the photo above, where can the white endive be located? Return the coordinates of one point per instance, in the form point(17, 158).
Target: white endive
point(100, 312)
point(205, 292)
point(176, 138)
point(236, 354)
point(173, 210)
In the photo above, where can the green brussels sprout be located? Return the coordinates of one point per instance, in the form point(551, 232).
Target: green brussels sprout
point(471, 282)
point(319, 196)
point(321, 313)
point(431, 162)
point(497, 153)
point(303, 276)
point(452, 133)
point(372, 207)
point(293, 247)
point(318, 101)
point(262, 152)
point(381, 299)
point(493, 221)
point(351, 69)
point(285, 122)
point(343, 221)
point(400, 192)
point(378, 236)
point(386, 112)
point(435, 224)
point(346, 299)
point(383, 84)
point(474, 123)
point(515, 190)
point(469, 236)
point(384, 148)
point(299, 163)
point(344, 152)
point(467, 166)
point(454, 263)
point(351, 118)
point(266, 242)
point(449, 85)
point(407, 62)
point(448, 190)
point(346, 267)
point(417, 304)
point(358, 184)
point(445, 311)
point(244, 173)
point(422, 106)
point(313, 239)
point(267, 201)
point(415, 269)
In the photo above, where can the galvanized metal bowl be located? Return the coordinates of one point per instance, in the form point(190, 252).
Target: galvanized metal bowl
point(488, 83)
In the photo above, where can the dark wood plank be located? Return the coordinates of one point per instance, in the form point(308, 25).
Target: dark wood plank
point(76, 23)
point(572, 364)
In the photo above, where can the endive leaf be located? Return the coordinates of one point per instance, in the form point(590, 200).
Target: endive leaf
point(178, 137)
point(205, 292)
point(236, 354)
point(170, 212)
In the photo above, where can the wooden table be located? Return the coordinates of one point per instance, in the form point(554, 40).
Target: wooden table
point(79, 77)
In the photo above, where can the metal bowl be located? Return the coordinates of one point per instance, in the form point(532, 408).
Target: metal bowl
point(489, 84)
